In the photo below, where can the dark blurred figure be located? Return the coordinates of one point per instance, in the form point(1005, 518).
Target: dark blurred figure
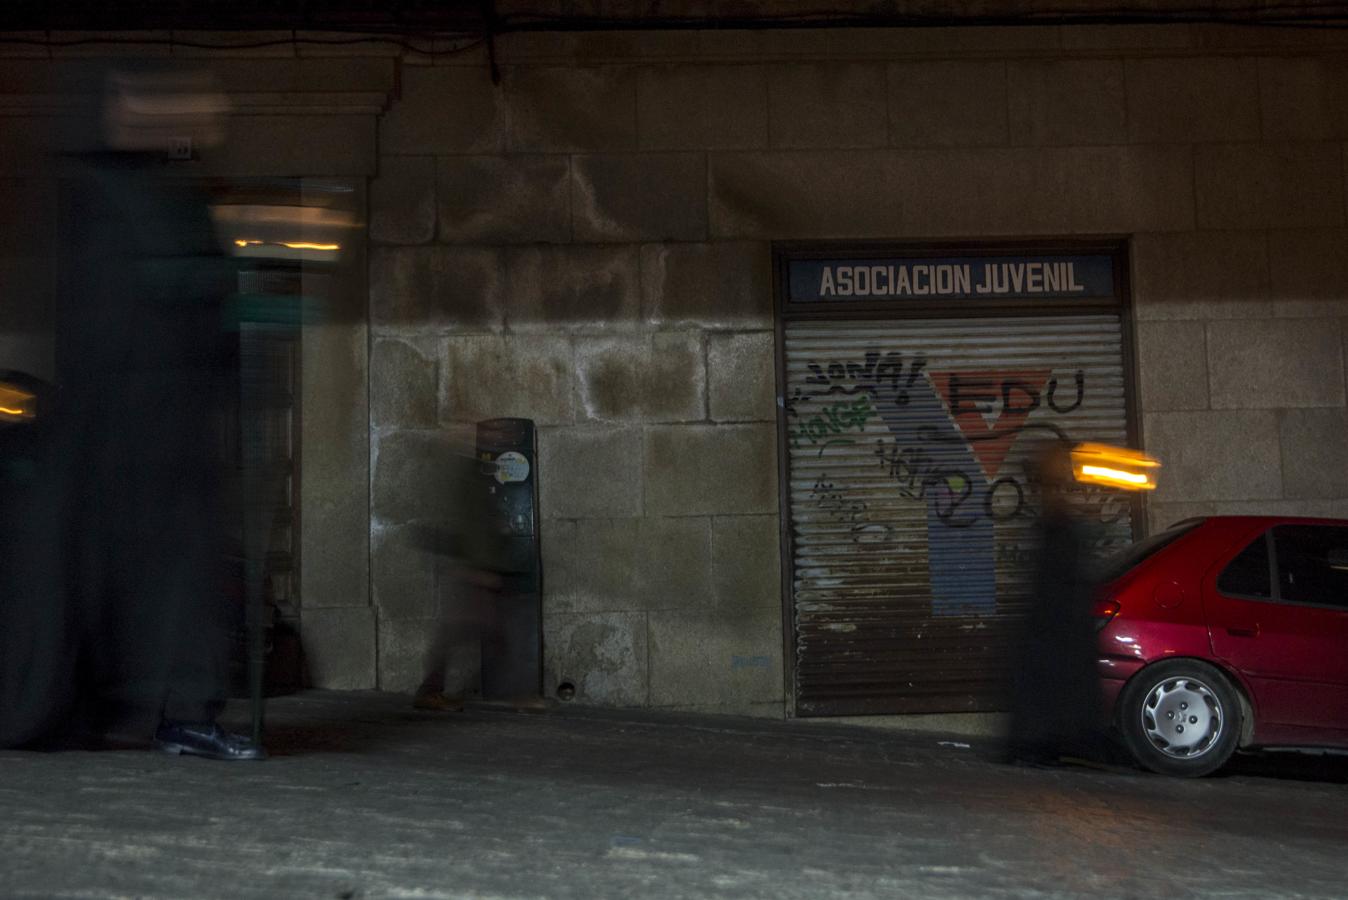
point(35, 684)
point(471, 556)
point(133, 480)
point(1055, 688)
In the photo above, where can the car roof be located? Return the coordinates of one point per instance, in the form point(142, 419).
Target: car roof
point(1265, 520)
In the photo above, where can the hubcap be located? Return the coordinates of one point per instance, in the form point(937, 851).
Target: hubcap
point(1182, 718)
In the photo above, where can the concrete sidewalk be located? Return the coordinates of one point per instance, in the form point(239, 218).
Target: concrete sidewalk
point(365, 797)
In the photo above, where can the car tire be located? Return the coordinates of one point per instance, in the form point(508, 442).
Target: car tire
point(1180, 717)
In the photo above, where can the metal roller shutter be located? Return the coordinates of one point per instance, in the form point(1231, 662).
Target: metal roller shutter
point(910, 516)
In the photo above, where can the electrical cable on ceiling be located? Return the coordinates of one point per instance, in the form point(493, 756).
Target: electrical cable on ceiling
point(1310, 14)
point(478, 28)
point(410, 43)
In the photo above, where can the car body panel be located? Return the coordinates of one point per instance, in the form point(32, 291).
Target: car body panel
point(1294, 656)
point(1290, 660)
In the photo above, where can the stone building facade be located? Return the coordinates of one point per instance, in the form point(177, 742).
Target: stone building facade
point(589, 243)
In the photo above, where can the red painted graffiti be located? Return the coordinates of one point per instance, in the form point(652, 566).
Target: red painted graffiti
point(990, 408)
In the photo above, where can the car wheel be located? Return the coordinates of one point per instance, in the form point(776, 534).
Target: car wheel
point(1180, 717)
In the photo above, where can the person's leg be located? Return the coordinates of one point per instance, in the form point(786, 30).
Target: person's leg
point(189, 593)
point(195, 691)
point(37, 646)
point(431, 693)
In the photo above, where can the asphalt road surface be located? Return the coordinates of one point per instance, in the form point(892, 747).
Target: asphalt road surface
point(365, 797)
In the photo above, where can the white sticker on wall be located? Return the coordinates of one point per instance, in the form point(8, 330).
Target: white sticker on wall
point(511, 466)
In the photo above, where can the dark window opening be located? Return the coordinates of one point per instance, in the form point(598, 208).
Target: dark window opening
point(1248, 574)
point(1312, 564)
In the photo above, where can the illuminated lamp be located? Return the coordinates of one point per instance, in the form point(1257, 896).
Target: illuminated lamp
point(16, 404)
point(1115, 467)
point(311, 250)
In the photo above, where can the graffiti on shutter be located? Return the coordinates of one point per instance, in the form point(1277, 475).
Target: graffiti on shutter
point(911, 517)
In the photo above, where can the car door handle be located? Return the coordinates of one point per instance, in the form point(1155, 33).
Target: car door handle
point(1252, 631)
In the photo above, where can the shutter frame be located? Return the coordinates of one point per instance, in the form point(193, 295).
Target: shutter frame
point(912, 551)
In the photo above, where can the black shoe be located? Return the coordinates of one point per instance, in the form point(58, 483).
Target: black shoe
point(205, 739)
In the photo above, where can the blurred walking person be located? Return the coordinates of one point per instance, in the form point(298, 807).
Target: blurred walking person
point(1055, 688)
point(470, 556)
point(35, 665)
point(136, 579)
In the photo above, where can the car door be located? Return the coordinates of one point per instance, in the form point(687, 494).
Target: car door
point(1278, 614)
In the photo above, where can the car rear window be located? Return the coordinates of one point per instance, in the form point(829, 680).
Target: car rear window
point(1131, 557)
point(1248, 575)
point(1312, 564)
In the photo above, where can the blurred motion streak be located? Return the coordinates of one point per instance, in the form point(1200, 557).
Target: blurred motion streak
point(1055, 701)
point(112, 614)
point(1116, 467)
point(16, 403)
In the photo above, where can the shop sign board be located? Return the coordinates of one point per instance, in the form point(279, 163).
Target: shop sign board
point(965, 277)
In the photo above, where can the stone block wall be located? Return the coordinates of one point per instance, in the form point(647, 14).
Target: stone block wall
point(536, 264)
point(588, 244)
point(656, 464)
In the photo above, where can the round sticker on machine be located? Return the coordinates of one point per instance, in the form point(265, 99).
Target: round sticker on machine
point(511, 466)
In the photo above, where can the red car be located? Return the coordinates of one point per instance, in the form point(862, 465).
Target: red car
point(1227, 633)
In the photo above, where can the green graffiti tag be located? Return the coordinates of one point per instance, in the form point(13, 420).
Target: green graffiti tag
point(833, 424)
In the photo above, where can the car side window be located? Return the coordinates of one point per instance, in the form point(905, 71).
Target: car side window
point(1248, 574)
point(1312, 564)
